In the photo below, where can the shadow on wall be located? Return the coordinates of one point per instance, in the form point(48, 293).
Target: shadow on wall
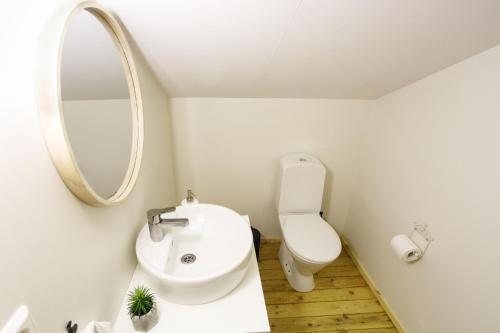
point(327, 193)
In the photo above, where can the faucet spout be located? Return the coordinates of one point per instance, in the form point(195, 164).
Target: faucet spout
point(155, 222)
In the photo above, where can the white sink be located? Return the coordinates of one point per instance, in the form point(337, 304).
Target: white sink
point(220, 239)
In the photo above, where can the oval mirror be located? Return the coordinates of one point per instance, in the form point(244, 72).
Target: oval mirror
point(97, 145)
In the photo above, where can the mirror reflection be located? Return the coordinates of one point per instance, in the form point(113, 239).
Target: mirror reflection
point(96, 104)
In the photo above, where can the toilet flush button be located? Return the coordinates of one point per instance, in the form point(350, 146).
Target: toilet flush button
point(302, 159)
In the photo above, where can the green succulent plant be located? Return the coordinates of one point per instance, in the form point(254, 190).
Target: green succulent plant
point(140, 301)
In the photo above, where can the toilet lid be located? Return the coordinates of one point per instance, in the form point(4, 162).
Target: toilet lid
point(310, 237)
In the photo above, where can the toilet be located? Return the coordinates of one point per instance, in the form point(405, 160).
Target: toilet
point(309, 242)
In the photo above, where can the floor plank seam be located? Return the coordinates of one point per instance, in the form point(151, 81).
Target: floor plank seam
point(330, 288)
point(336, 315)
point(331, 315)
point(277, 279)
point(317, 302)
point(270, 269)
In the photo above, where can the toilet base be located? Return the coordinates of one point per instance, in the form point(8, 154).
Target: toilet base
point(298, 279)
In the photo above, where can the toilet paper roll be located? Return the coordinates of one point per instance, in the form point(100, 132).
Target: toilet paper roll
point(405, 248)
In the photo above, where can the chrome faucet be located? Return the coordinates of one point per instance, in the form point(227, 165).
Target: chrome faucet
point(155, 222)
point(190, 196)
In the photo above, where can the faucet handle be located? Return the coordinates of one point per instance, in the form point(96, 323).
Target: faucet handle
point(167, 210)
point(154, 214)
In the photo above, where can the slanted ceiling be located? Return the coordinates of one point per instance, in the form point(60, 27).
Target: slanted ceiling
point(304, 48)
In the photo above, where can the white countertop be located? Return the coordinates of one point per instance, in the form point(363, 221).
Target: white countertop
point(241, 311)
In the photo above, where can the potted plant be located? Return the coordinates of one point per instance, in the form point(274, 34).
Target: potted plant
point(142, 308)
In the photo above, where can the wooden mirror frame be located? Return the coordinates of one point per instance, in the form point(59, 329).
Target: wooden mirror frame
point(51, 110)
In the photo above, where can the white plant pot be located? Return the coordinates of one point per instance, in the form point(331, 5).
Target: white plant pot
point(146, 322)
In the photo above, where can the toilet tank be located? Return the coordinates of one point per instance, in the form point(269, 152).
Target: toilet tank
point(300, 184)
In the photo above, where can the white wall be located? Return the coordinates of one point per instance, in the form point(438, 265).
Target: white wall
point(65, 259)
point(227, 150)
point(432, 155)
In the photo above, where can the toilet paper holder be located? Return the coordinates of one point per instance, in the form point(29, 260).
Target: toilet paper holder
point(421, 236)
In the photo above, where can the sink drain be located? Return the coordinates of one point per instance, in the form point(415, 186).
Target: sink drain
point(188, 258)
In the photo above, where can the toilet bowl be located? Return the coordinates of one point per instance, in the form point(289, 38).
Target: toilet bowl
point(309, 242)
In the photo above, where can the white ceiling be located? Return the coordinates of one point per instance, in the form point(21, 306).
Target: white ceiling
point(304, 48)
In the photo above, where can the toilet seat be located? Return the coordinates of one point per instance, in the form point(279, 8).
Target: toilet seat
point(311, 238)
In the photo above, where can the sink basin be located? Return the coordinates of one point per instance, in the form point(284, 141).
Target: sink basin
point(200, 262)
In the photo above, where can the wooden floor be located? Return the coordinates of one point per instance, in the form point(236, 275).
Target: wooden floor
point(341, 301)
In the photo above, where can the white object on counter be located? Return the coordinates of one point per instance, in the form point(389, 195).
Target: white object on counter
point(98, 327)
point(21, 321)
point(242, 310)
point(405, 248)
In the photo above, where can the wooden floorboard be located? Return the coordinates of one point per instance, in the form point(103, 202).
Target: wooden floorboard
point(277, 274)
point(321, 283)
point(342, 302)
point(326, 295)
point(327, 323)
